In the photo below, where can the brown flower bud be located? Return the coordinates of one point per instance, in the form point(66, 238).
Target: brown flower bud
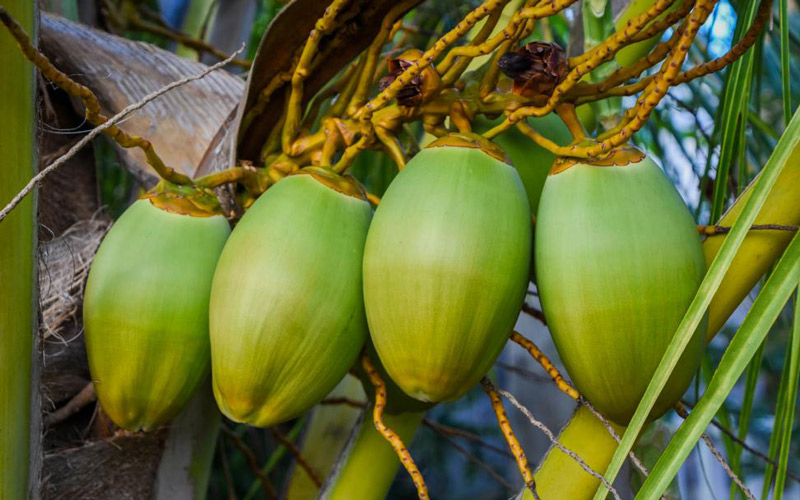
point(537, 68)
point(420, 88)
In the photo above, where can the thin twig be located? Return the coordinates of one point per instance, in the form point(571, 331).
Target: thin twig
point(73, 406)
point(344, 401)
point(636, 462)
point(511, 438)
point(252, 462)
point(475, 438)
point(226, 471)
point(732, 435)
point(732, 475)
point(523, 372)
point(160, 28)
point(529, 374)
point(110, 123)
point(534, 313)
point(472, 458)
point(298, 457)
point(713, 230)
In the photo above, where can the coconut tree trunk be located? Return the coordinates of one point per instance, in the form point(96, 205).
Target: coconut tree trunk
point(19, 423)
point(368, 464)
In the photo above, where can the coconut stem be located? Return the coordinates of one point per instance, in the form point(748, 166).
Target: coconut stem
point(560, 476)
point(760, 249)
point(391, 436)
point(234, 174)
point(511, 438)
point(548, 366)
point(368, 465)
point(566, 111)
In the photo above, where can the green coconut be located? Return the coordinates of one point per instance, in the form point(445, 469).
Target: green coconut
point(446, 268)
point(145, 312)
point(287, 314)
point(618, 260)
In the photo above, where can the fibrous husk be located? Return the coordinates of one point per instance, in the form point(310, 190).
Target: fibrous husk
point(123, 468)
point(63, 265)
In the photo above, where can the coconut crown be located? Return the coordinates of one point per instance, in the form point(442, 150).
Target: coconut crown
point(184, 199)
point(472, 141)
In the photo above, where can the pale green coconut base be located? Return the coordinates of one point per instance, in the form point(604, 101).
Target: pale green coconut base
point(146, 312)
point(287, 314)
point(446, 269)
point(618, 261)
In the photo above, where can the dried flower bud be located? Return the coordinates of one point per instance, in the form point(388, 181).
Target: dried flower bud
point(417, 91)
point(537, 68)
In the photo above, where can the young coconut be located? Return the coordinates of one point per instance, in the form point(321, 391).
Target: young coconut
point(145, 310)
point(287, 313)
point(618, 261)
point(446, 267)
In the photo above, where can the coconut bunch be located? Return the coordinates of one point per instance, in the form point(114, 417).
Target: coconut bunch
point(429, 286)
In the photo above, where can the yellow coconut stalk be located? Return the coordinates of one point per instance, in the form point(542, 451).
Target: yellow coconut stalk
point(17, 250)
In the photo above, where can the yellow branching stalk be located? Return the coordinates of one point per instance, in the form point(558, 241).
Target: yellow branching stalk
point(366, 111)
point(610, 90)
point(455, 70)
point(294, 112)
point(511, 438)
point(391, 436)
point(548, 365)
point(606, 50)
point(366, 77)
point(660, 84)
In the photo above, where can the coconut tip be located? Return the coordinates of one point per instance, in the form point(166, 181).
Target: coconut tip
point(619, 157)
point(345, 184)
point(189, 200)
point(473, 141)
